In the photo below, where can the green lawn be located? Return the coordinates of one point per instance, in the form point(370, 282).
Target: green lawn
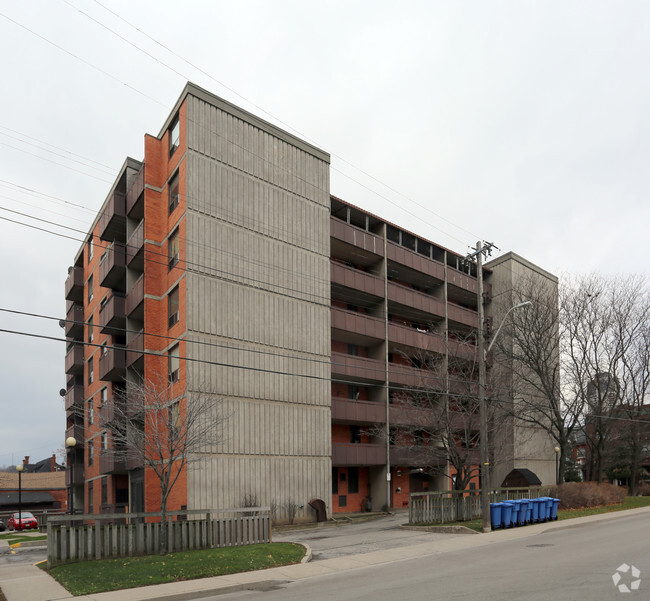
point(16, 537)
point(84, 578)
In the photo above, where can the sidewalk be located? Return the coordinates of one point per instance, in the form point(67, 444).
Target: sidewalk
point(29, 583)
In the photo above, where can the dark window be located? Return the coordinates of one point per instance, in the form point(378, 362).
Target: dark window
point(173, 193)
point(418, 437)
point(355, 434)
point(91, 452)
point(392, 233)
point(174, 136)
point(353, 392)
point(90, 288)
point(335, 481)
point(91, 374)
point(90, 329)
point(424, 248)
point(353, 480)
point(104, 490)
point(343, 501)
point(172, 307)
point(174, 363)
point(353, 349)
point(416, 362)
point(353, 308)
point(90, 497)
point(408, 241)
point(173, 248)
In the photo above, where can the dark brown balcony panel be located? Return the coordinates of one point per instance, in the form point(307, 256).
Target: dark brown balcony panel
point(112, 364)
point(358, 369)
point(112, 268)
point(135, 197)
point(349, 411)
point(135, 299)
point(110, 463)
point(358, 454)
point(74, 322)
point(76, 431)
point(76, 475)
point(415, 261)
point(415, 456)
point(346, 237)
point(461, 315)
point(361, 324)
point(74, 397)
point(415, 337)
point(112, 221)
point(423, 303)
point(74, 360)
point(404, 375)
point(357, 280)
point(112, 315)
point(403, 414)
point(135, 248)
point(135, 349)
point(74, 285)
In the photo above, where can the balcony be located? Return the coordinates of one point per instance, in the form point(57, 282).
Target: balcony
point(366, 246)
point(405, 375)
point(75, 475)
point(461, 315)
point(362, 283)
point(413, 260)
point(135, 248)
point(364, 326)
point(112, 268)
point(416, 456)
point(349, 411)
point(74, 285)
point(358, 369)
point(135, 300)
point(112, 463)
point(135, 349)
point(112, 315)
point(413, 299)
point(74, 322)
point(112, 221)
point(76, 431)
point(135, 197)
point(112, 364)
point(358, 454)
point(111, 411)
point(403, 414)
point(415, 338)
point(74, 397)
point(74, 360)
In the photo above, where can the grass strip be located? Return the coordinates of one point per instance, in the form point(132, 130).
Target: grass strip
point(21, 538)
point(87, 577)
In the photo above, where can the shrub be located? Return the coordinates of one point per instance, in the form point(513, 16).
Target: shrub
point(643, 490)
point(576, 495)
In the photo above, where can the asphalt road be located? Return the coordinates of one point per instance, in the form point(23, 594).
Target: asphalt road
point(564, 564)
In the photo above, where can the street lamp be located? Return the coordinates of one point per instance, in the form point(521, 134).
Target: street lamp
point(557, 465)
point(71, 443)
point(483, 434)
point(19, 469)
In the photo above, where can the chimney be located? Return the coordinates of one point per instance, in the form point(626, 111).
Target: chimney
point(53, 462)
point(26, 460)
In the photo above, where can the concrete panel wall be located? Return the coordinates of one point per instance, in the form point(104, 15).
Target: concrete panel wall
point(258, 308)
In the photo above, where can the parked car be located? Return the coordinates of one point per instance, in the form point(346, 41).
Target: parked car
point(2, 526)
point(25, 522)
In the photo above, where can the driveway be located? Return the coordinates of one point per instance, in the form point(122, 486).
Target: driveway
point(330, 541)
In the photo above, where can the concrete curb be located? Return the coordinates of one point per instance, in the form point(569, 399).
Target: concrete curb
point(440, 529)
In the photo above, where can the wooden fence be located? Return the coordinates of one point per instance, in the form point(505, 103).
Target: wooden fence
point(85, 537)
point(452, 506)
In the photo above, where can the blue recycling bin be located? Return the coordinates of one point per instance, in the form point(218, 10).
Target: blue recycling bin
point(549, 508)
point(522, 515)
point(529, 511)
point(556, 504)
point(506, 514)
point(543, 509)
point(495, 515)
point(534, 503)
point(515, 513)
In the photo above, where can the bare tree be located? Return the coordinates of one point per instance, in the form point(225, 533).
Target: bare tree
point(154, 425)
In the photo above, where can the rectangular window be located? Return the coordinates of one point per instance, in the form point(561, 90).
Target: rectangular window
point(174, 136)
point(104, 396)
point(90, 288)
point(91, 332)
point(90, 248)
point(91, 375)
point(353, 392)
point(104, 441)
point(90, 497)
point(91, 452)
point(335, 481)
point(174, 363)
point(104, 490)
point(355, 434)
point(173, 248)
point(91, 412)
point(173, 193)
point(353, 480)
point(172, 307)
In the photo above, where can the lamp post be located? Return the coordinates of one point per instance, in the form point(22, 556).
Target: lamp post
point(71, 443)
point(19, 469)
point(557, 465)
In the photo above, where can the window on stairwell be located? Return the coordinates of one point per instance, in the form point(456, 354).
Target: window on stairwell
point(174, 363)
point(355, 434)
point(90, 288)
point(174, 136)
point(173, 193)
point(353, 480)
point(172, 307)
point(173, 248)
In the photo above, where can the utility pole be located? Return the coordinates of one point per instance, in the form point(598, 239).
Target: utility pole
point(478, 253)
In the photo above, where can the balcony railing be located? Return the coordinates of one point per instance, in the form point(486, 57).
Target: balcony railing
point(74, 360)
point(75, 475)
point(358, 323)
point(112, 364)
point(74, 397)
point(112, 268)
point(134, 197)
point(135, 299)
point(349, 411)
point(135, 248)
point(74, 322)
point(358, 368)
point(76, 431)
point(112, 221)
point(135, 349)
point(416, 261)
point(416, 299)
point(406, 375)
point(74, 285)
point(111, 463)
point(361, 239)
point(357, 280)
point(112, 315)
point(358, 454)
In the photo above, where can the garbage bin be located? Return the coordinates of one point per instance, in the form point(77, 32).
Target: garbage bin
point(506, 514)
point(549, 508)
point(495, 515)
point(534, 503)
point(529, 510)
point(556, 504)
point(522, 516)
point(543, 508)
point(515, 512)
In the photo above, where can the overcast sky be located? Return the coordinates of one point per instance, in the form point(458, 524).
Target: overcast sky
point(526, 124)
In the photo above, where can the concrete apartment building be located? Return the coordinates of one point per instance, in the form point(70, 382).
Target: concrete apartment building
point(221, 262)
